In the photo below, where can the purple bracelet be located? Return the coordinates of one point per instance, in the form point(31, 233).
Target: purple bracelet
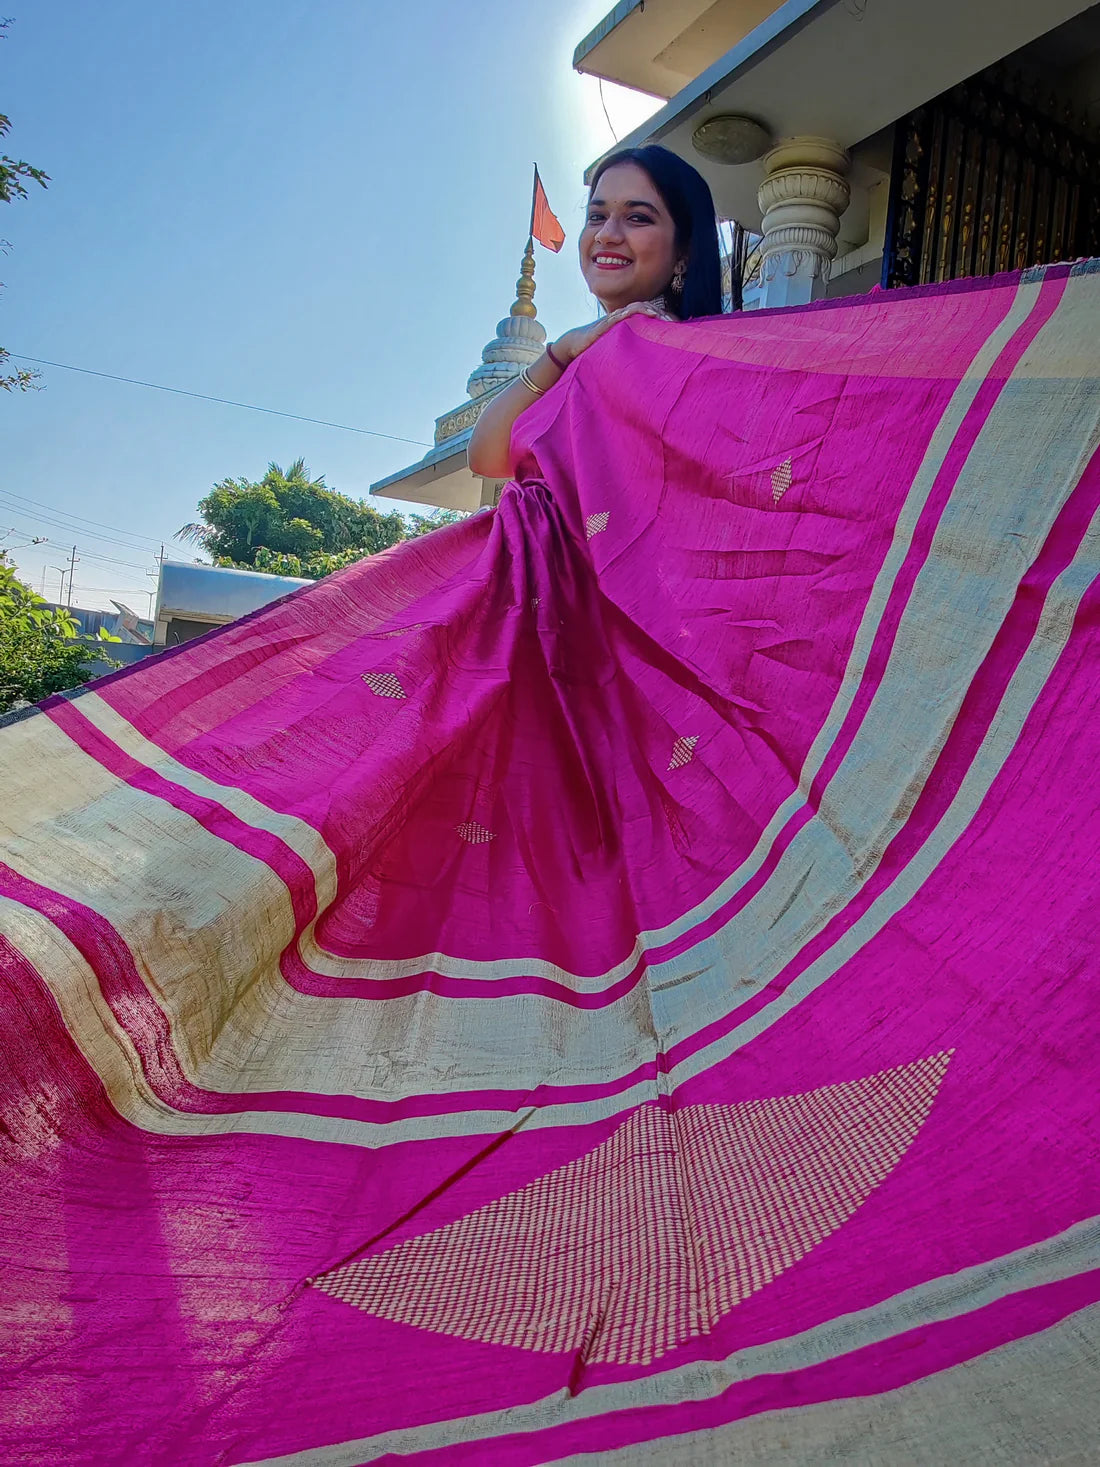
point(550, 353)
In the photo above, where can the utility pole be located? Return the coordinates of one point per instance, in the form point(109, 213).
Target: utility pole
point(72, 568)
point(155, 575)
point(61, 571)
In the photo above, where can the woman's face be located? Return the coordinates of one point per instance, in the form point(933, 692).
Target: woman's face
point(628, 245)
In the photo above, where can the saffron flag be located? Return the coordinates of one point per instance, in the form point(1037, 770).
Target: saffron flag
point(614, 980)
point(545, 226)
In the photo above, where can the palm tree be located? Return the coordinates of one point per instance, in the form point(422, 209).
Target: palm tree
point(196, 533)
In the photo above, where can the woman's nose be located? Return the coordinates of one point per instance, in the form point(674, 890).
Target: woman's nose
point(609, 231)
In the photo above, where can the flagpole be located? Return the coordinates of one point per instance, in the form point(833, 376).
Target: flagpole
point(534, 200)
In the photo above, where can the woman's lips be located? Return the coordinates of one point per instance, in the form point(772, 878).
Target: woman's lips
point(611, 262)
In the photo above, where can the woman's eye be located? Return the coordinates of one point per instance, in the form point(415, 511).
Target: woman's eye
point(640, 219)
point(595, 218)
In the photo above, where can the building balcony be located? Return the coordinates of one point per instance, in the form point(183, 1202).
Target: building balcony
point(837, 71)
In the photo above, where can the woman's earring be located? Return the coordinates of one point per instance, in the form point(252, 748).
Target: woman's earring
point(677, 283)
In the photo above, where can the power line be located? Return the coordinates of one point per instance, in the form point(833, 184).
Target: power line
point(96, 555)
point(115, 590)
point(55, 546)
point(36, 504)
point(225, 401)
point(110, 560)
point(49, 522)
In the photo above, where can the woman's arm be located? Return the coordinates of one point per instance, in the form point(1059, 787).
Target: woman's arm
point(489, 452)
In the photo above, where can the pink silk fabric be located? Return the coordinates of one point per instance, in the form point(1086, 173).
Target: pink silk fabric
point(614, 980)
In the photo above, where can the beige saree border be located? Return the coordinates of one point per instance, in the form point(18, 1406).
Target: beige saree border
point(1072, 1252)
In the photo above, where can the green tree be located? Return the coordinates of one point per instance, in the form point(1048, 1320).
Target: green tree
point(290, 524)
point(420, 524)
point(15, 174)
point(288, 513)
point(310, 568)
point(39, 650)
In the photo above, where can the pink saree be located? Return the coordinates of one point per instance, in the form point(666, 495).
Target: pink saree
point(614, 981)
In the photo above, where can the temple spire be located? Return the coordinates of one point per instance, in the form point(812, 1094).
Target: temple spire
point(520, 336)
point(524, 303)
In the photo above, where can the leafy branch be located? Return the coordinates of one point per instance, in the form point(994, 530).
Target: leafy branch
point(15, 175)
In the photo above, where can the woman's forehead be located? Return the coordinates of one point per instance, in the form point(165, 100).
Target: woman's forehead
point(626, 183)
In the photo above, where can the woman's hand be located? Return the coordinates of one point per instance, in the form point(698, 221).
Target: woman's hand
point(569, 347)
point(489, 452)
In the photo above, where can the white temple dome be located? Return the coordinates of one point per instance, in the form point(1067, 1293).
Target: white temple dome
point(519, 340)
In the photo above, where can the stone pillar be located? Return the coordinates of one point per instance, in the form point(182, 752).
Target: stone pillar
point(802, 198)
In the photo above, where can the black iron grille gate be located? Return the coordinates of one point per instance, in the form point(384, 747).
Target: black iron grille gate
point(988, 178)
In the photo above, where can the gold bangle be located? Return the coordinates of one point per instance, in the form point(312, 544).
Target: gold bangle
point(531, 385)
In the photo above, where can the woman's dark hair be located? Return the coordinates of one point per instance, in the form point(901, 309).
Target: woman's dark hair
point(686, 195)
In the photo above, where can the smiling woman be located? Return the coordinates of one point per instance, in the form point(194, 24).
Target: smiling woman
point(649, 246)
point(651, 234)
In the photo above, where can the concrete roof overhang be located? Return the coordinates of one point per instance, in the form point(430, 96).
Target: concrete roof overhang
point(441, 478)
point(831, 68)
point(657, 46)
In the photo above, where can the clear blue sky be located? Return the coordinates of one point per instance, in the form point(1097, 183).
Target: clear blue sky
point(312, 205)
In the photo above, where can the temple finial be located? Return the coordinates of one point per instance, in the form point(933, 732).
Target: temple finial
point(524, 303)
point(520, 336)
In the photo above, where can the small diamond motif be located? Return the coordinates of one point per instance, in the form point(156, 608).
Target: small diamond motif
point(781, 480)
point(596, 523)
point(474, 834)
point(384, 684)
point(683, 751)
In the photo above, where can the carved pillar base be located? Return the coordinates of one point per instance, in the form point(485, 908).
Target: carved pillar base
point(802, 198)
